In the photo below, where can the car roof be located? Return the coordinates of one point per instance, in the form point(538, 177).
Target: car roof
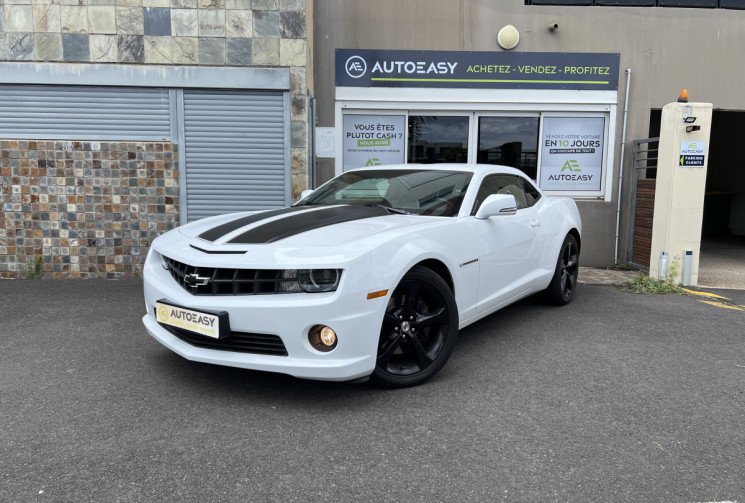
point(472, 167)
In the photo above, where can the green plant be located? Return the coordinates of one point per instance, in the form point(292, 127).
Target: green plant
point(646, 285)
point(672, 271)
point(34, 267)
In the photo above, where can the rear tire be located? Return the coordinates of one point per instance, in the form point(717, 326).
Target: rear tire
point(561, 289)
point(419, 330)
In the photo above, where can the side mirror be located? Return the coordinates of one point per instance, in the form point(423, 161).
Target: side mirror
point(306, 193)
point(497, 205)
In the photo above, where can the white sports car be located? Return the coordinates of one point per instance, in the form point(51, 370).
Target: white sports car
point(372, 274)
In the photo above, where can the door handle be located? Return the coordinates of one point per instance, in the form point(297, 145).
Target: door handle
point(535, 223)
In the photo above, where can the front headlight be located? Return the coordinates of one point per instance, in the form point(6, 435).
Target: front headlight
point(163, 261)
point(318, 280)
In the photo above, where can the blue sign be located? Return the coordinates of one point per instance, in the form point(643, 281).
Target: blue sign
point(478, 70)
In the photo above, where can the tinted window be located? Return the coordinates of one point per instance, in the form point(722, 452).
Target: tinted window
point(724, 4)
point(732, 4)
point(501, 184)
point(531, 193)
point(687, 3)
point(558, 2)
point(637, 3)
point(438, 138)
point(509, 141)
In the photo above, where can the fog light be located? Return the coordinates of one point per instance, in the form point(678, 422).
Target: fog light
point(322, 338)
point(328, 337)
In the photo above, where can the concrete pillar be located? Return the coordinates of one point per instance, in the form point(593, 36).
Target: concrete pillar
point(681, 181)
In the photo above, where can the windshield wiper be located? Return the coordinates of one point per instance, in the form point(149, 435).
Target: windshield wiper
point(397, 211)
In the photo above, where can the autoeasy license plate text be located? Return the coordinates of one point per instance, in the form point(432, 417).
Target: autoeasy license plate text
point(186, 319)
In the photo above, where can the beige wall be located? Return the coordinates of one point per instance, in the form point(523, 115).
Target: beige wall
point(667, 49)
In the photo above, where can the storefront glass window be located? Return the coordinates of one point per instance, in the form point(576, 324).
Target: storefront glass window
point(438, 138)
point(510, 141)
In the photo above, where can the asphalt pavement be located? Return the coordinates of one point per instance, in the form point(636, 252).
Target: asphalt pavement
point(615, 397)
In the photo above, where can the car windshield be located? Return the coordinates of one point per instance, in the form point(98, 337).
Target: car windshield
point(416, 191)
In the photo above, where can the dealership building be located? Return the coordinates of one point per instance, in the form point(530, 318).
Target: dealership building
point(120, 119)
point(581, 75)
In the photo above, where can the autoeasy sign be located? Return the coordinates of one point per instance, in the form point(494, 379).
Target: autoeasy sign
point(692, 154)
point(492, 70)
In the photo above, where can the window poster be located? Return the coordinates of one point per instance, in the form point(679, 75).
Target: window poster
point(572, 153)
point(372, 140)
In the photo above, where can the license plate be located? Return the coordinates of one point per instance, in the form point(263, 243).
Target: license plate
point(198, 322)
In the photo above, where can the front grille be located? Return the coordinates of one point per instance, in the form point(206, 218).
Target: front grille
point(241, 342)
point(219, 281)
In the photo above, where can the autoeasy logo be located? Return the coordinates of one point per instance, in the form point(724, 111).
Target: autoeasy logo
point(475, 69)
point(391, 67)
point(693, 148)
point(190, 317)
point(356, 67)
point(163, 313)
point(571, 165)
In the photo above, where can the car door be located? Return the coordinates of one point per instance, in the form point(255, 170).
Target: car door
point(509, 245)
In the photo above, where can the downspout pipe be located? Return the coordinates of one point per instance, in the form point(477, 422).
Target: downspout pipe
point(620, 166)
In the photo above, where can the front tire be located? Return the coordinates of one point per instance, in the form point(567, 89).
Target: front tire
point(419, 331)
point(561, 289)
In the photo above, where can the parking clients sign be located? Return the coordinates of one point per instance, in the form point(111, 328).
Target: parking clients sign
point(692, 154)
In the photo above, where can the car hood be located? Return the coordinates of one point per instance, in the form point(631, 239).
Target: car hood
point(302, 227)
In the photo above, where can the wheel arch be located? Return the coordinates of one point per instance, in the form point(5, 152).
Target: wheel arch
point(574, 232)
point(438, 268)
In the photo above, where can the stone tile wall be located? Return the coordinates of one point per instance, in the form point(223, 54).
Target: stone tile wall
point(182, 32)
point(83, 209)
point(236, 33)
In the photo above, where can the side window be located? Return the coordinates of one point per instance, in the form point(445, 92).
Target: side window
point(531, 193)
point(501, 184)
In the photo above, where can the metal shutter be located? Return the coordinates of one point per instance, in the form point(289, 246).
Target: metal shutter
point(84, 113)
point(236, 151)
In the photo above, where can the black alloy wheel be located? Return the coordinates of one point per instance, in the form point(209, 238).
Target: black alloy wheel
point(561, 289)
point(419, 330)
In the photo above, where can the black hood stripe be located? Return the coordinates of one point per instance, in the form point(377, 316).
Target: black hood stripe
point(217, 232)
point(295, 224)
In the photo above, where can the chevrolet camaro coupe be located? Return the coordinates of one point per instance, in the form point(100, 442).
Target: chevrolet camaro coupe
point(370, 275)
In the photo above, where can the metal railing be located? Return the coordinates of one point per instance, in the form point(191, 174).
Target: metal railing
point(645, 167)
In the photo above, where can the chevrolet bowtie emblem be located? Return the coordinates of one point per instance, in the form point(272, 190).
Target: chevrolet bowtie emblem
point(194, 280)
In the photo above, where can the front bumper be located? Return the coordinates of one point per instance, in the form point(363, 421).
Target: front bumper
point(355, 319)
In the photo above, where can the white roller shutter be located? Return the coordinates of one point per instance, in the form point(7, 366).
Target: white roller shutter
point(236, 151)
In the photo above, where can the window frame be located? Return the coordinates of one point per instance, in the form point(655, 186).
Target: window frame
point(510, 102)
